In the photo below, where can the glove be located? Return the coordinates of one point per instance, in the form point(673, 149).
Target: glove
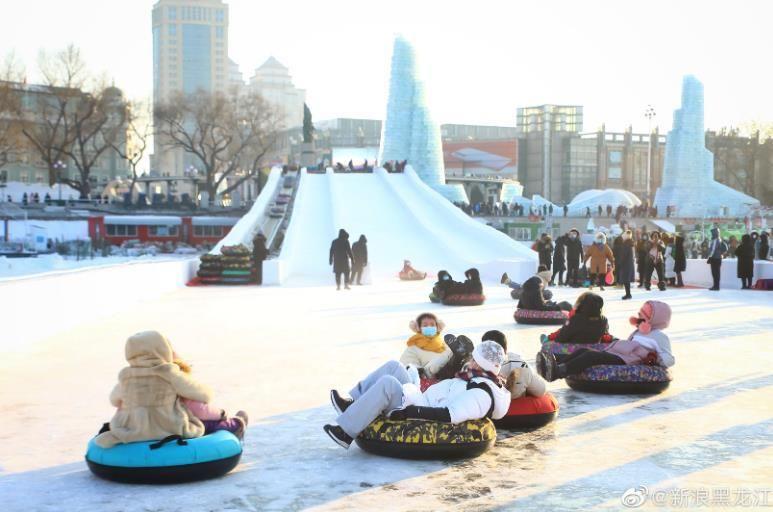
point(422, 413)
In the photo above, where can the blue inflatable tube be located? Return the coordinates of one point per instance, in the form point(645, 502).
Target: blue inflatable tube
point(171, 460)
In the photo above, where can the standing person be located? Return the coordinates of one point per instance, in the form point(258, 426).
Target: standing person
point(259, 254)
point(745, 255)
point(680, 260)
point(717, 251)
point(669, 261)
point(573, 256)
point(764, 249)
point(340, 256)
point(600, 256)
point(617, 246)
point(654, 263)
point(625, 263)
point(566, 210)
point(642, 245)
point(755, 243)
point(360, 260)
point(559, 266)
point(545, 250)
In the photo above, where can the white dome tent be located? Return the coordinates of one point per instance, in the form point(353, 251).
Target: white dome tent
point(594, 198)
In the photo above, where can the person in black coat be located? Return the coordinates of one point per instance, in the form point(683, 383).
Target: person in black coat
point(573, 257)
point(472, 284)
point(616, 246)
point(764, 246)
point(680, 260)
point(445, 285)
point(559, 265)
point(587, 324)
point(745, 255)
point(624, 260)
point(360, 260)
point(545, 250)
point(532, 298)
point(642, 246)
point(259, 254)
point(340, 256)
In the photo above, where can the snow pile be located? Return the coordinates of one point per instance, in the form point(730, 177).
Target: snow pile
point(594, 198)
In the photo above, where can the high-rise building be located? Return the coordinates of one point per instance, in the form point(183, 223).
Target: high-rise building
point(542, 132)
point(190, 53)
point(273, 82)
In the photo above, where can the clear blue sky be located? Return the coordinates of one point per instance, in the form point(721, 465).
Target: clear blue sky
point(482, 58)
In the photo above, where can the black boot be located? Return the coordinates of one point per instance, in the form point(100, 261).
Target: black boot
point(340, 404)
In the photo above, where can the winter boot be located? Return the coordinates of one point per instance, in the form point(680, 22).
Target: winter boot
point(460, 345)
point(340, 404)
point(661, 286)
point(542, 363)
point(243, 420)
point(679, 282)
point(627, 296)
point(338, 435)
point(551, 367)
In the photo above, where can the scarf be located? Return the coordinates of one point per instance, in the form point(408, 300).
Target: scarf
point(469, 374)
point(433, 344)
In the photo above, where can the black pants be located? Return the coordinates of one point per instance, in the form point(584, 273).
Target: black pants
point(746, 282)
point(571, 274)
point(259, 271)
point(654, 267)
point(627, 288)
point(357, 275)
point(560, 277)
point(344, 273)
point(584, 358)
point(716, 265)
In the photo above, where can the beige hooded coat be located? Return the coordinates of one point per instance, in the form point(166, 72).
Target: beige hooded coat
point(148, 395)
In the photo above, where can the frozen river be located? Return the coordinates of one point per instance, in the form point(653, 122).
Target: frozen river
point(276, 352)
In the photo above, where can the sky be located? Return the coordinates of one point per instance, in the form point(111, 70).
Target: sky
point(481, 59)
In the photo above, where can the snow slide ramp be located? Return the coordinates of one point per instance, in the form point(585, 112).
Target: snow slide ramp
point(402, 218)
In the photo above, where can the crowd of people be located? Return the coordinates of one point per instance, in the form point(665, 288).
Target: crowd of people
point(504, 209)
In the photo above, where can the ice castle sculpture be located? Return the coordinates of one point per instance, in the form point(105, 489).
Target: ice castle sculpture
point(409, 132)
point(688, 185)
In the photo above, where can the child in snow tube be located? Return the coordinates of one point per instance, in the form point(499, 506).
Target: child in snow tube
point(408, 273)
point(157, 399)
point(469, 293)
point(635, 365)
point(444, 285)
point(448, 420)
point(534, 309)
point(586, 324)
point(531, 405)
point(426, 350)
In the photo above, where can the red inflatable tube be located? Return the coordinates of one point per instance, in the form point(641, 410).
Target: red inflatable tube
point(529, 412)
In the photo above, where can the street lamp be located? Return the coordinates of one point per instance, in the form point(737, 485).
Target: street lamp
point(649, 113)
point(59, 166)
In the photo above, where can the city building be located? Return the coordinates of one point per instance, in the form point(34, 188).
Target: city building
point(190, 54)
point(273, 82)
point(542, 133)
point(743, 163)
point(24, 162)
point(466, 132)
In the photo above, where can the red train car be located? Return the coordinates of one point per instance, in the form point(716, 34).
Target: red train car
point(117, 229)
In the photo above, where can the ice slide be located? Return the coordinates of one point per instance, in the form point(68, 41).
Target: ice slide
point(402, 218)
point(257, 218)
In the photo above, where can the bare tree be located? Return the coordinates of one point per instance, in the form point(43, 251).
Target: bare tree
point(11, 74)
point(229, 135)
point(75, 119)
point(138, 134)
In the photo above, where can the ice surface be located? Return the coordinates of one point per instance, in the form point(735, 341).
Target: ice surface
point(402, 218)
point(688, 171)
point(277, 351)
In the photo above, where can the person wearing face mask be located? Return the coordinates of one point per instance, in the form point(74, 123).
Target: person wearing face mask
point(445, 285)
point(601, 257)
point(426, 349)
point(573, 256)
point(625, 263)
point(654, 262)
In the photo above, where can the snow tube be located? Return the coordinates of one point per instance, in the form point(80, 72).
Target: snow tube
point(172, 460)
point(529, 412)
point(464, 299)
point(410, 276)
point(621, 380)
point(420, 439)
point(533, 316)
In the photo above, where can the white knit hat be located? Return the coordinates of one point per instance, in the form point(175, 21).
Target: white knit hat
point(489, 355)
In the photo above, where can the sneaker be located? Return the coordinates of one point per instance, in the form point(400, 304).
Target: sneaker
point(340, 404)
point(505, 279)
point(626, 297)
point(338, 435)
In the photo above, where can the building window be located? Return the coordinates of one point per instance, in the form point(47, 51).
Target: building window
point(219, 32)
point(615, 157)
point(171, 13)
point(219, 15)
point(121, 230)
point(614, 173)
point(523, 234)
point(172, 30)
point(162, 231)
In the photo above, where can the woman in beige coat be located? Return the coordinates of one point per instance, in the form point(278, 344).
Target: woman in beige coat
point(149, 395)
point(601, 257)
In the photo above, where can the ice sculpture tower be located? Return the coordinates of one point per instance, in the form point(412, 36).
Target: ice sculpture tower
point(409, 132)
point(688, 185)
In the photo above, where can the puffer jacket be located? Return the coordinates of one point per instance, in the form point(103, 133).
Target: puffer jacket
point(532, 298)
point(430, 361)
point(149, 395)
point(472, 284)
point(635, 349)
point(521, 379)
point(599, 256)
point(463, 404)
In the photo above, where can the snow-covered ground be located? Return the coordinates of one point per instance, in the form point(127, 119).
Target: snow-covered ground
point(277, 351)
point(47, 263)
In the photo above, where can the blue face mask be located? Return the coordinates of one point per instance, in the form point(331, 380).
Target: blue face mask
point(429, 331)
